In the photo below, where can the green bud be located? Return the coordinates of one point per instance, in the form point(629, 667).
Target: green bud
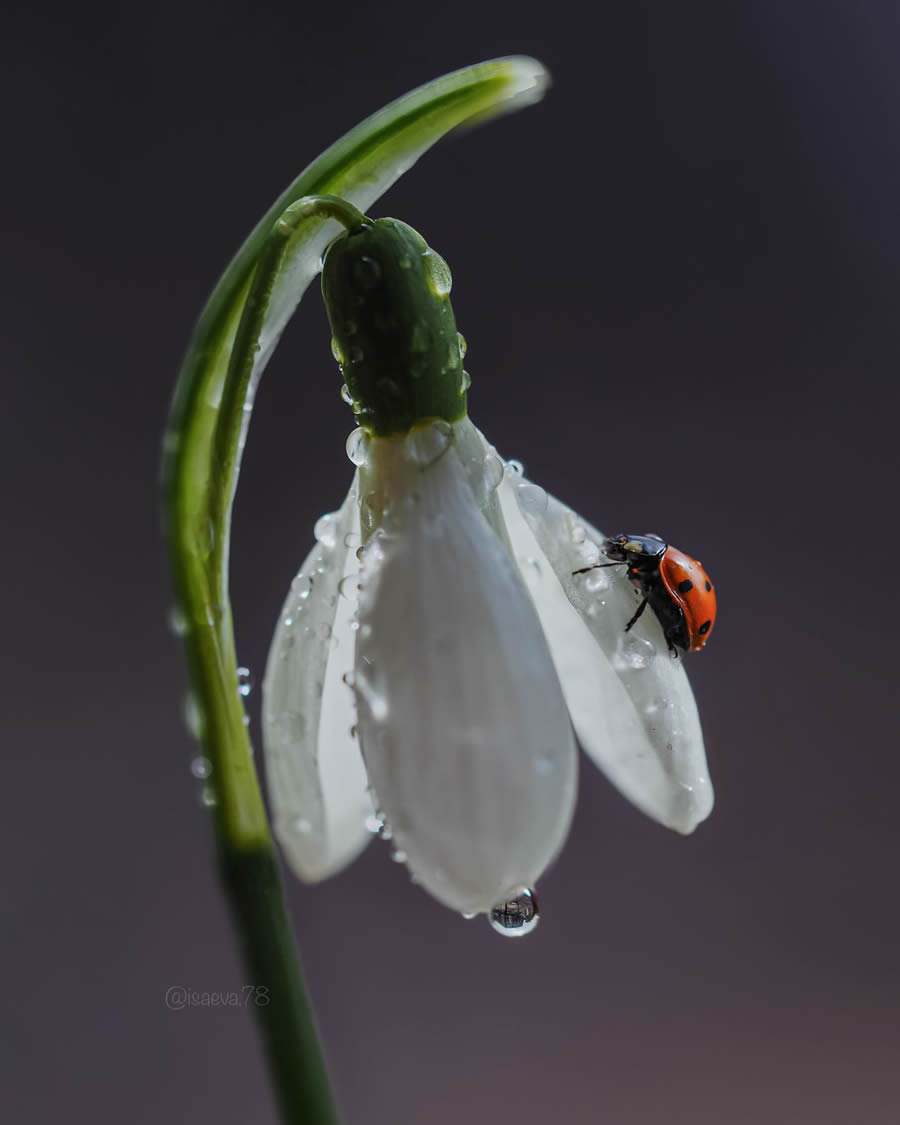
point(388, 301)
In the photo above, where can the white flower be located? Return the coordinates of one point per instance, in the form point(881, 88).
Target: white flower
point(429, 681)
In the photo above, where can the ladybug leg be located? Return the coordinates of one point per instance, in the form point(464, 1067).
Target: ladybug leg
point(637, 613)
point(595, 566)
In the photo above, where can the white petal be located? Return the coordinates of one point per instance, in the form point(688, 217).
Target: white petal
point(630, 701)
point(462, 721)
point(316, 778)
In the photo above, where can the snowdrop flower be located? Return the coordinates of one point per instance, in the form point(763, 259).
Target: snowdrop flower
point(436, 648)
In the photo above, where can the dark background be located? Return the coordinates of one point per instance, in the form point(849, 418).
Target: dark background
point(678, 278)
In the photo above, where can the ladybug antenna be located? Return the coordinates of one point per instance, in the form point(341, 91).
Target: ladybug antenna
point(597, 566)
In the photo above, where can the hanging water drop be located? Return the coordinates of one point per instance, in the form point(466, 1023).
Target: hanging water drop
point(345, 394)
point(374, 824)
point(245, 681)
point(301, 587)
point(358, 446)
point(463, 347)
point(201, 767)
point(207, 796)
point(517, 916)
point(516, 468)
point(465, 381)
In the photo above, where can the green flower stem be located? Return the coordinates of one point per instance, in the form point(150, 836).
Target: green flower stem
point(232, 342)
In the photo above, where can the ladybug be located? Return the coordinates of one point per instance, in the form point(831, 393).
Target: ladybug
point(675, 586)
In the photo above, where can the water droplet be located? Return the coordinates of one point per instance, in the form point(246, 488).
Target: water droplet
point(387, 386)
point(595, 581)
point(516, 468)
point(207, 796)
point(493, 471)
point(530, 569)
point(301, 586)
point(425, 444)
point(193, 715)
point(596, 607)
point(398, 855)
point(374, 824)
point(325, 530)
point(348, 587)
point(352, 539)
point(532, 499)
point(177, 621)
point(336, 351)
point(463, 347)
point(437, 274)
point(635, 652)
point(345, 394)
point(288, 621)
point(245, 681)
point(201, 767)
point(517, 916)
point(366, 273)
point(465, 381)
point(358, 446)
point(469, 917)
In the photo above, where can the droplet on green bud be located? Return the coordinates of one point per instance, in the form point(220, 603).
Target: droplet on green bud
point(387, 295)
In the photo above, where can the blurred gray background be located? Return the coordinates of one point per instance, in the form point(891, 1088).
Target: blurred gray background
point(693, 242)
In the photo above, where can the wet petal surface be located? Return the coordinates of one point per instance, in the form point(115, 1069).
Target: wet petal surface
point(463, 724)
point(316, 779)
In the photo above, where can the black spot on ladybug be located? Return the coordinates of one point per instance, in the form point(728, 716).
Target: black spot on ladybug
point(684, 586)
point(704, 628)
point(708, 585)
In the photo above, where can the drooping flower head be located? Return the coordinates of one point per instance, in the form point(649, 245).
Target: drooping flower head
point(443, 637)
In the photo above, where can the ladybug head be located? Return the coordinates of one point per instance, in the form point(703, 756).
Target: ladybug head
point(616, 547)
point(633, 548)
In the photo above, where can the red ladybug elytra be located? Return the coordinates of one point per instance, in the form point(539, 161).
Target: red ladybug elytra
point(675, 586)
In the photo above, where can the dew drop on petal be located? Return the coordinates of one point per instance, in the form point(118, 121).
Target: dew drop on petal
point(245, 681)
point(345, 394)
point(493, 471)
point(469, 917)
point(463, 347)
point(301, 586)
point(348, 587)
point(532, 499)
point(516, 468)
point(517, 916)
point(425, 444)
point(595, 581)
point(207, 796)
point(398, 855)
point(325, 530)
point(358, 446)
point(635, 652)
point(374, 824)
point(465, 381)
point(201, 767)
